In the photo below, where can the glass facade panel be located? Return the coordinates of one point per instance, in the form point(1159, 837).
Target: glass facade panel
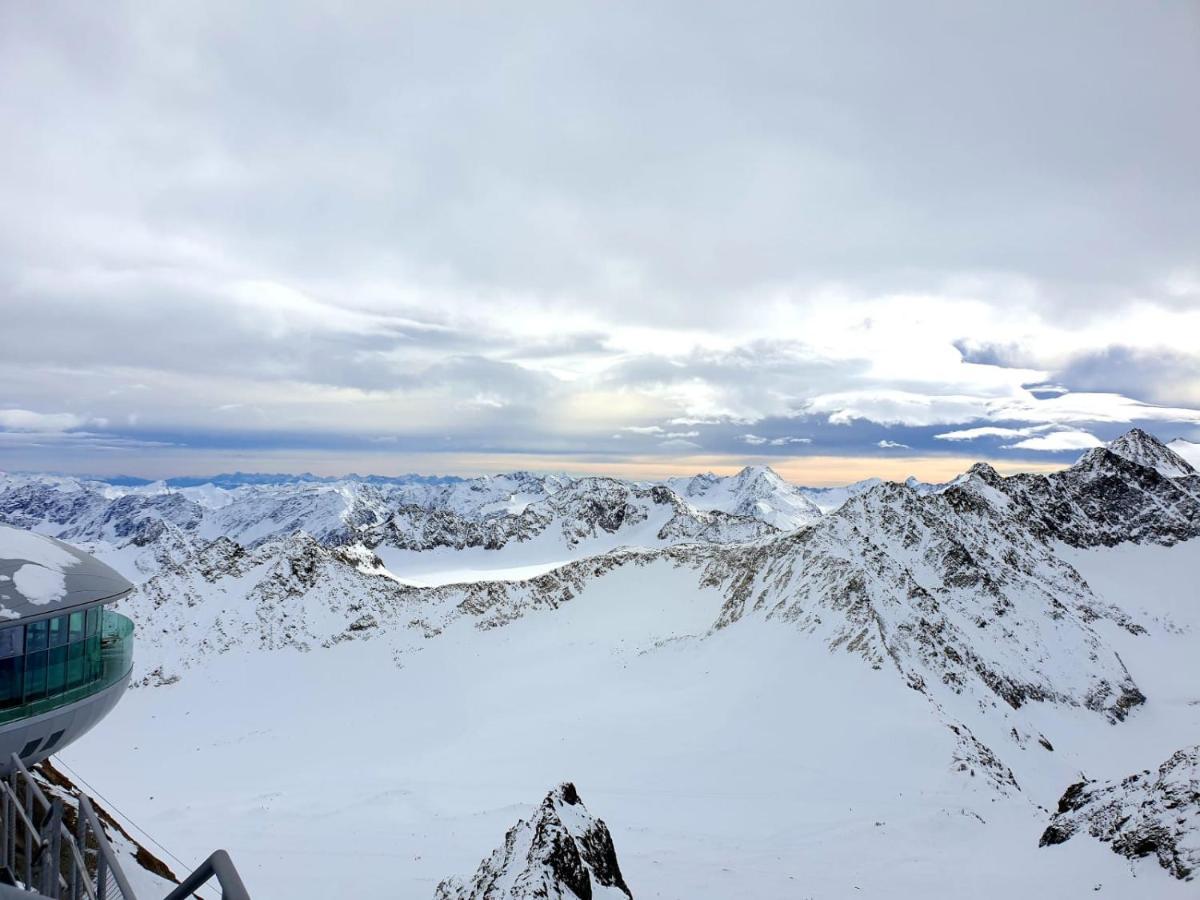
point(35, 635)
point(75, 665)
point(11, 679)
point(35, 676)
point(58, 631)
point(60, 660)
point(76, 626)
point(56, 670)
point(92, 661)
point(12, 641)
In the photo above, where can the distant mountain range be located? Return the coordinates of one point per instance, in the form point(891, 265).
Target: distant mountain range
point(416, 512)
point(242, 479)
point(965, 593)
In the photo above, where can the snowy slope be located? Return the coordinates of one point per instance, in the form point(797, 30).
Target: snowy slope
point(1189, 450)
point(751, 763)
point(759, 713)
point(832, 498)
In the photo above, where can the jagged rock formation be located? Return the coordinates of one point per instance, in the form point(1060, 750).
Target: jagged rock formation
point(1146, 450)
point(1107, 499)
point(1151, 813)
point(561, 853)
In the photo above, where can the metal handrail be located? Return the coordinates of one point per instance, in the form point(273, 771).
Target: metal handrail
point(106, 850)
point(49, 843)
point(37, 791)
point(219, 865)
point(76, 843)
point(20, 810)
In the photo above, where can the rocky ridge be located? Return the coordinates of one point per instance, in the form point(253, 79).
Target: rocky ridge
point(561, 853)
point(488, 512)
point(1153, 813)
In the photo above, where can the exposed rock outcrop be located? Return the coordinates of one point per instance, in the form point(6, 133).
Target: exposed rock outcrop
point(1151, 813)
point(561, 853)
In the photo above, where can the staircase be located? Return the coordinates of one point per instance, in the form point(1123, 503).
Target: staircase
point(43, 854)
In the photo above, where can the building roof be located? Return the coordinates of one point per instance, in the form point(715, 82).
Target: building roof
point(40, 575)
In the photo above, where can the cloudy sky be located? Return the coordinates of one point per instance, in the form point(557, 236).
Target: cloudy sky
point(846, 238)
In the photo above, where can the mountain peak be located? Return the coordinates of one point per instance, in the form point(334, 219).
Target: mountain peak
point(985, 472)
point(561, 852)
point(1145, 449)
point(751, 473)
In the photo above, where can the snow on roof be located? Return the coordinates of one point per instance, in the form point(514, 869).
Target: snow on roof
point(39, 574)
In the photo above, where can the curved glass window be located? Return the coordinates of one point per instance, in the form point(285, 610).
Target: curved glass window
point(62, 660)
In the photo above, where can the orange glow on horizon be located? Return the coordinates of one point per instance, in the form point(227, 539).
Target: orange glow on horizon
point(813, 471)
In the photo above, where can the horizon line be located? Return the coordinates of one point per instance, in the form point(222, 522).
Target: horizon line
point(814, 471)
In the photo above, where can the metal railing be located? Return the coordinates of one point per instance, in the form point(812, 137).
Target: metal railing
point(220, 866)
point(39, 851)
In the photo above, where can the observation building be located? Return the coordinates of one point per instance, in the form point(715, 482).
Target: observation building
point(65, 655)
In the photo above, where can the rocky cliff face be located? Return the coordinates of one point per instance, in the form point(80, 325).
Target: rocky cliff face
point(1108, 498)
point(561, 853)
point(1154, 813)
point(1142, 448)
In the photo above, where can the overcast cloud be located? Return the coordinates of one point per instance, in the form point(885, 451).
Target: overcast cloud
point(386, 233)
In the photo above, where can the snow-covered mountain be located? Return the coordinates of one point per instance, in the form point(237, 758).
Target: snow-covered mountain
point(420, 514)
point(488, 512)
point(987, 619)
point(1146, 450)
point(561, 853)
point(756, 491)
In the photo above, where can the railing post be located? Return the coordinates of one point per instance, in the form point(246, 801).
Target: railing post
point(219, 865)
point(5, 825)
point(81, 843)
point(28, 862)
point(11, 835)
point(101, 874)
point(111, 865)
point(53, 851)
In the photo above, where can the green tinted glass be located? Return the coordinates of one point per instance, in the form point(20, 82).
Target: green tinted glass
point(92, 660)
point(12, 641)
point(56, 671)
point(11, 670)
point(76, 626)
point(35, 676)
point(75, 655)
point(52, 678)
point(58, 631)
point(35, 635)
